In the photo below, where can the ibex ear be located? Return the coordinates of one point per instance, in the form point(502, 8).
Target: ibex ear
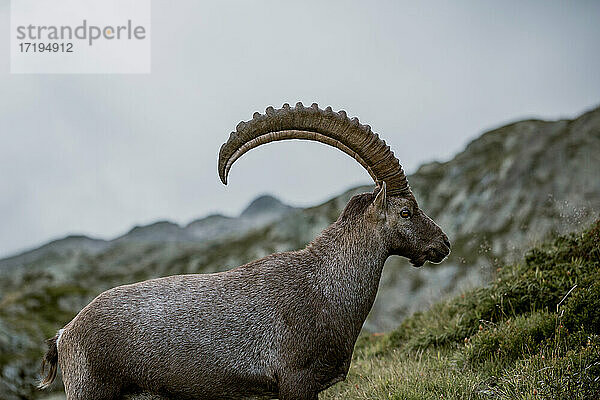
point(380, 203)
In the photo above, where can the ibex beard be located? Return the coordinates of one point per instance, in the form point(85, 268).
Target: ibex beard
point(283, 326)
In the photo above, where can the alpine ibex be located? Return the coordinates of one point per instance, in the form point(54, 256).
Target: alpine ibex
point(282, 326)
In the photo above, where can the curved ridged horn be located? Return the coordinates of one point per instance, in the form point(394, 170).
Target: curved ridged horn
point(325, 126)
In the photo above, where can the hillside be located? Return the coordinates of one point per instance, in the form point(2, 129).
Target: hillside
point(532, 333)
point(510, 188)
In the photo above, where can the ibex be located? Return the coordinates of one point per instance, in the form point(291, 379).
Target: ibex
point(283, 326)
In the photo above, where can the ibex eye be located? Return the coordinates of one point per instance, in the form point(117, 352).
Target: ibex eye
point(405, 213)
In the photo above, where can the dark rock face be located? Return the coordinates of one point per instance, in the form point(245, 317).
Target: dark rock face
point(510, 188)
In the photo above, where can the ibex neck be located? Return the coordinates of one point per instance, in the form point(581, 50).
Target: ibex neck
point(350, 261)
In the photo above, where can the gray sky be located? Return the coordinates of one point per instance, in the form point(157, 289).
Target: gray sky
point(97, 154)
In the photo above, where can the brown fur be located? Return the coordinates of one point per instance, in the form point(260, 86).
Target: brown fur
point(357, 205)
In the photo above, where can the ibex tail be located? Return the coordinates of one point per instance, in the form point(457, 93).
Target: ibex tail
point(50, 360)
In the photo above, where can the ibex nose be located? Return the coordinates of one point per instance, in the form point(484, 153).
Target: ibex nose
point(446, 241)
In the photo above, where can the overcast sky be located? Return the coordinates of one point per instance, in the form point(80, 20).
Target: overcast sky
point(97, 154)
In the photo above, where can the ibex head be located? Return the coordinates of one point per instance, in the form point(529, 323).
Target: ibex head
point(408, 230)
point(393, 210)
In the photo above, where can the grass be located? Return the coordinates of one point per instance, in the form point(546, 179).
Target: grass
point(533, 333)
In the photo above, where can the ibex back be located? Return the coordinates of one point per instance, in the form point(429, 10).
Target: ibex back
point(282, 326)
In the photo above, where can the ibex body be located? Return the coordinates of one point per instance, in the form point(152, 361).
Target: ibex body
point(282, 326)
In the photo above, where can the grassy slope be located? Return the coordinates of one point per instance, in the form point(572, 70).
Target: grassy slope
point(534, 333)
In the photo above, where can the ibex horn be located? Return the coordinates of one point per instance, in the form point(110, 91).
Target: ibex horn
point(325, 126)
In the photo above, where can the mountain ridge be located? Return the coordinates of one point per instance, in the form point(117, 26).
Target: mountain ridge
point(262, 210)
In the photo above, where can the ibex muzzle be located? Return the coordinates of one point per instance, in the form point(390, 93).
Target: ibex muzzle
point(282, 326)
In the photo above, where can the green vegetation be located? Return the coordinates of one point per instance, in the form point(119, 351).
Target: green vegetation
point(534, 333)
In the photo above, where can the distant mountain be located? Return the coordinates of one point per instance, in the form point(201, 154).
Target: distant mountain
point(62, 247)
point(509, 188)
point(265, 207)
point(260, 212)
